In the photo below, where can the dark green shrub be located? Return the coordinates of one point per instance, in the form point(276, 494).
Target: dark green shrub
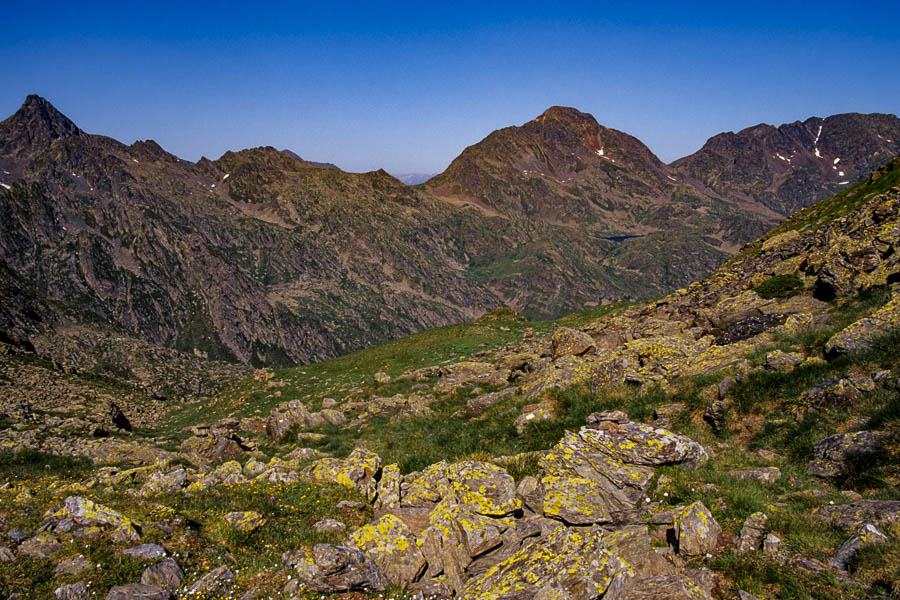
point(780, 286)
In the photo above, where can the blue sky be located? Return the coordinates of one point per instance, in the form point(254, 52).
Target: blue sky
point(406, 86)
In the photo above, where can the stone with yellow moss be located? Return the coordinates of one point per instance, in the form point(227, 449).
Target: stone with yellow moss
point(565, 341)
point(245, 521)
point(861, 335)
point(358, 471)
point(391, 544)
point(86, 512)
point(574, 500)
point(696, 529)
point(569, 560)
point(867, 534)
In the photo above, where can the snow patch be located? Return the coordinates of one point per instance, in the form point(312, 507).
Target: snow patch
point(600, 152)
point(836, 161)
point(817, 153)
point(672, 178)
point(134, 159)
point(4, 185)
point(840, 173)
point(844, 183)
point(818, 135)
point(780, 157)
point(226, 176)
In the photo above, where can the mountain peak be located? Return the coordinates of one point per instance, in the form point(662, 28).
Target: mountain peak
point(35, 125)
point(565, 114)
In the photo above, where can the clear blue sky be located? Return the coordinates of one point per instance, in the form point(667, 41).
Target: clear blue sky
point(407, 86)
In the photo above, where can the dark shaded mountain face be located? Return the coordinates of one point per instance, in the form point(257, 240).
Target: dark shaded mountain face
point(262, 257)
point(790, 167)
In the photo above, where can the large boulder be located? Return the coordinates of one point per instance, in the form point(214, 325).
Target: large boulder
point(137, 591)
point(619, 457)
point(569, 563)
point(831, 454)
point(565, 341)
point(86, 512)
point(330, 568)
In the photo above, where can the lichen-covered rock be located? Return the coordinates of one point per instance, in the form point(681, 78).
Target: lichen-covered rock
point(43, 545)
point(85, 512)
point(760, 474)
point(850, 517)
point(619, 458)
point(479, 404)
point(565, 341)
point(358, 471)
point(392, 545)
point(470, 372)
point(568, 560)
point(330, 568)
point(73, 566)
point(696, 529)
point(329, 526)
point(483, 488)
point(831, 453)
point(245, 521)
point(664, 587)
point(211, 450)
point(388, 488)
point(533, 413)
point(752, 533)
point(778, 360)
point(867, 534)
point(164, 483)
point(832, 392)
point(861, 335)
point(574, 500)
point(381, 378)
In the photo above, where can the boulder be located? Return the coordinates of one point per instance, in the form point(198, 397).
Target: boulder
point(861, 335)
point(479, 404)
point(148, 552)
point(850, 517)
point(245, 521)
point(760, 474)
point(866, 534)
point(778, 360)
point(137, 591)
point(358, 471)
point(565, 341)
point(210, 450)
point(337, 569)
point(569, 563)
point(381, 378)
point(391, 544)
point(166, 575)
point(43, 545)
point(164, 483)
point(574, 501)
point(73, 567)
point(663, 587)
point(832, 392)
point(470, 373)
point(85, 512)
point(329, 526)
point(388, 488)
point(752, 533)
point(533, 413)
point(831, 453)
point(696, 529)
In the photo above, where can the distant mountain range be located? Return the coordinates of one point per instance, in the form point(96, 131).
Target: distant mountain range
point(262, 257)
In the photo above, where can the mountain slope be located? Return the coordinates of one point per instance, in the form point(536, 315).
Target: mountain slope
point(262, 257)
point(795, 165)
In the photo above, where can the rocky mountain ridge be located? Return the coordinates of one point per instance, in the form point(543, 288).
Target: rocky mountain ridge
point(261, 257)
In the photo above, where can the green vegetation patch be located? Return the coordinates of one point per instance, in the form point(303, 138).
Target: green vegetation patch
point(780, 286)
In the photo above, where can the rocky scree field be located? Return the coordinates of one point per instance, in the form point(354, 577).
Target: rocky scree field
point(737, 438)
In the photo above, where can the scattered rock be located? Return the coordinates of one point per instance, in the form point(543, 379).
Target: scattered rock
point(329, 525)
point(778, 360)
point(760, 474)
point(146, 552)
point(861, 335)
point(771, 544)
point(166, 575)
point(245, 521)
point(392, 545)
point(43, 545)
point(337, 569)
point(137, 591)
point(73, 591)
point(565, 341)
point(73, 566)
point(216, 581)
point(752, 533)
point(381, 378)
point(696, 529)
